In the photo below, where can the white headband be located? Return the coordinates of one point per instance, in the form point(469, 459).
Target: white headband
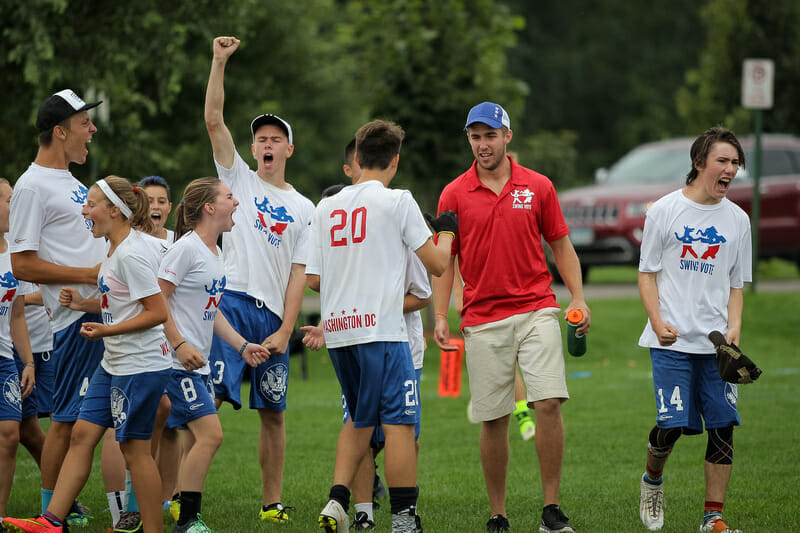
point(111, 195)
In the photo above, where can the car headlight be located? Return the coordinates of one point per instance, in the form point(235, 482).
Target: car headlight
point(636, 209)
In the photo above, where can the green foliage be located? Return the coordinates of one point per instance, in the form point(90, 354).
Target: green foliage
point(554, 154)
point(423, 65)
point(736, 30)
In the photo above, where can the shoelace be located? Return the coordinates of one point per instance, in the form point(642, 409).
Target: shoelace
point(655, 499)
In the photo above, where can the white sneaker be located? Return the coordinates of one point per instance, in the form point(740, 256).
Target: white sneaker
point(333, 518)
point(651, 505)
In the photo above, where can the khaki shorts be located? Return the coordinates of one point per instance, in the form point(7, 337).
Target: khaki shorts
point(493, 350)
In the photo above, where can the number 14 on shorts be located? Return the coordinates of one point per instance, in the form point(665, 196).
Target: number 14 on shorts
point(674, 399)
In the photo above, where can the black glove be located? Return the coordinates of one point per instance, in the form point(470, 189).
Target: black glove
point(446, 222)
point(733, 365)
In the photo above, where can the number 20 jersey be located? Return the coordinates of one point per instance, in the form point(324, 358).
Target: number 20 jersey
point(358, 244)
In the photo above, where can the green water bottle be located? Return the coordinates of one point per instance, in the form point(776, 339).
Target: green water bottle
point(576, 344)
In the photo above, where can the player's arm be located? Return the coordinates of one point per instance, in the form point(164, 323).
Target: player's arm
point(221, 139)
point(19, 336)
point(413, 303)
point(72, 298)
point(312, 280)
point(278, 342)
point(27, 266)
point(33, 298)
point(155, 312)
point(436, 257)
point(569, 268)
point(252, 352)
point(189, 356)
point(735, 307)
point(441, 287)
point(648, 291)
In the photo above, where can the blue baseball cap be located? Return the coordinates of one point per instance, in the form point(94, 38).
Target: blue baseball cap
point(490, 114)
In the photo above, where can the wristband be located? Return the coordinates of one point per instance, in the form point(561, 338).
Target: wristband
point(29, 364)
point(451, 233)
point(175, 349)
point(241, 350)
point(442, 314)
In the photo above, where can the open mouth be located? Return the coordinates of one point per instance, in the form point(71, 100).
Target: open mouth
point(268, 159)
point(156, 217)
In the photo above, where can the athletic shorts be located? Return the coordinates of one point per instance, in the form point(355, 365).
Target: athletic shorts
point(126, 403)
point(191, 395)
point(533, 340)
point(10, 394)
point(40, 401)
point(689, 391)
point(76, 360)
point(378, 382)
point(252, 319)
point(378, 437)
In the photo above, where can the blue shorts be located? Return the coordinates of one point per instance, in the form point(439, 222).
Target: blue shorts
point(126, 403)
point(378, 437)
point(76, 360)
point(689, 391)
point(10, 395)
point(40, 401)
point(270, 379)
point(378, 382)
point(191, 395)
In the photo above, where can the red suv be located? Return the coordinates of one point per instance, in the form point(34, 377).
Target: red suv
point(606, 219)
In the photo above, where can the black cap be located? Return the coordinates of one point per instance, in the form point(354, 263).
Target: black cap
point(60, 107)
point(269, 118)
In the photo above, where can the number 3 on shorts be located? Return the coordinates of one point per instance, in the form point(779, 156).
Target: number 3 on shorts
point(675, 400)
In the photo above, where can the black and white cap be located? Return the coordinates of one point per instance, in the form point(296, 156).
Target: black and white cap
point(60, 107)
point(262, 120)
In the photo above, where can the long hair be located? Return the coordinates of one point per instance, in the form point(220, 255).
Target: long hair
point(197, 194)
point(136, 200)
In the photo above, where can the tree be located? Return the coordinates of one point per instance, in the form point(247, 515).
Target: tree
point(735, 30)
point(423, 65)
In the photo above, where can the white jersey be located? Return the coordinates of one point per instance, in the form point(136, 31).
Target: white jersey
point(358, 248)
point(270, 233)
point(199, 279)
point(417, 283)
point(699, 252)
point(46, 218)
point(126, 277)
point(10, 290)
point(39, 328)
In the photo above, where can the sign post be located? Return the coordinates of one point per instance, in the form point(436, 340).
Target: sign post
point(758, 77)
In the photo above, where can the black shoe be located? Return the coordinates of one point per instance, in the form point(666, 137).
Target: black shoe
point(555, 521)
point(497, 523)
point(362, 523)
point(418, 524)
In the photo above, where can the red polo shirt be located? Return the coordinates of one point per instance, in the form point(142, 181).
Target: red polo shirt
point(499, 243)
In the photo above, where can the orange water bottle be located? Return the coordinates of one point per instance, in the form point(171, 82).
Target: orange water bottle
point(576, 344)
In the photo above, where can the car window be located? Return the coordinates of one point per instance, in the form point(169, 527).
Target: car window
point(776, 163)
point(651, 165)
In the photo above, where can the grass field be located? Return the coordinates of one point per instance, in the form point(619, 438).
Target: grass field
point(607, 420)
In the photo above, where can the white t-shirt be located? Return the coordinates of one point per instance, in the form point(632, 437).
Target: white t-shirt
point(417, 283)
point(270, 233)
point(39, 328)
point(10, 290)
point(126, 277)
point(199, 279)
point(358, 248)
point(46, 218)
point(699, 252)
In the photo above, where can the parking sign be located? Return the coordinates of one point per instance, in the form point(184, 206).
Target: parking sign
point(757, 83)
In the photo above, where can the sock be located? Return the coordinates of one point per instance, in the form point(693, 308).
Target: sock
point(365, 508)
point(653, 479)
point(131, 505)
point(47, 495)
point(190, 506)
point(402, 498)
point(53, 519)
point(712, 509)
point(341, 494)
point(115, 504)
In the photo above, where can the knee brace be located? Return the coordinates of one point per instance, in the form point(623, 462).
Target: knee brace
point(720, 446)
point(662, 440)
